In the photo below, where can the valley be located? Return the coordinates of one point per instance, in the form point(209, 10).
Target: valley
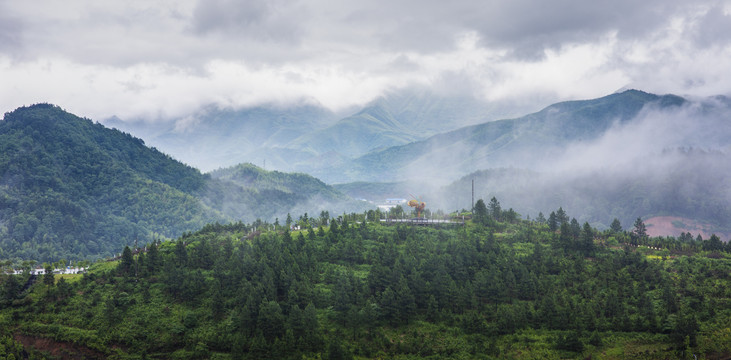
point(592, 157)
point(357, 180)
point(244, 262)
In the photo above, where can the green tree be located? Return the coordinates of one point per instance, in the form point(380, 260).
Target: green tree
point(713, 244)
point(561, 216)
point(587, 239)
point(336, 350)
point(153, 258)
point(616, 227)
point(181, 254)
point(49, 277)
point(552, 221)
point(271, 320)
point(640, 230)
point(495, 210)
point(126, 265)
point(312, 339)
point(541, 219)
point(480, 211)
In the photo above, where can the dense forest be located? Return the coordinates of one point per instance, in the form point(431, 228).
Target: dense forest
point(347, 287)
point(74, 189)
point(70, 188)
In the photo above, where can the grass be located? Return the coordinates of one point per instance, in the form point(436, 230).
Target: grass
point(70, 278)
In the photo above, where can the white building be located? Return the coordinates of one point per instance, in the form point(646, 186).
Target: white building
point(391, 203)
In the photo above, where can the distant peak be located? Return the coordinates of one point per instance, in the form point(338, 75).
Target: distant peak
point(625, 89)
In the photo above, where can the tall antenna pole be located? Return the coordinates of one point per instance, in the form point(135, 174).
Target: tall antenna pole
point(472, 209)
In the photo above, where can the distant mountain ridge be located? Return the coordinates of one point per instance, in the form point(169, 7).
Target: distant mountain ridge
point(299, 137)
point(627, 155)
point(216, 137)
point(69, 186)
point(503, 143)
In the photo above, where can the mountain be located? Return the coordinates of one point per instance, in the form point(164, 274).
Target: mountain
point(689, 183)
point(626, 155)
point(71, 188)
point(394, 119)
point(246, 191)
point(216, 137)
point(303, 137)
point(520, 142)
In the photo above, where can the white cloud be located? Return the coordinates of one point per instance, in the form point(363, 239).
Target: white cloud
point(164, 59)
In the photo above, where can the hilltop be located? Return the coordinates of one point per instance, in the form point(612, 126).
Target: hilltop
point(496, 287)
point(71, 189)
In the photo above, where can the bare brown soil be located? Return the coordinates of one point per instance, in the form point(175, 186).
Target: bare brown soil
point(674, 226)
point(58, 350)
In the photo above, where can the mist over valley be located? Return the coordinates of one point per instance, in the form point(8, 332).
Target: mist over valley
point(626, 155)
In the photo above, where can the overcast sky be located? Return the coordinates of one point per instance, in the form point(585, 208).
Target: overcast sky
point(163, 59)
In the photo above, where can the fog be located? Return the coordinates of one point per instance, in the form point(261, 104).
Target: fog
point(664, 161)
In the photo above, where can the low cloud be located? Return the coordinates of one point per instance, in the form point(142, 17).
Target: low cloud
point(700, 125)
point(162, 61)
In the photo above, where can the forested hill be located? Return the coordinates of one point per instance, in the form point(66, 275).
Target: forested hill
point(70, 188)
point(494, 288)
point(248, 192)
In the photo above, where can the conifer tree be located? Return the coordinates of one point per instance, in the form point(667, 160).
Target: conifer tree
point(48, 277)
point(616, 227)
point(640, 229)
point(126, 266)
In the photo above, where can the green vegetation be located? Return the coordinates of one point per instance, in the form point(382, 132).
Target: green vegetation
point(498, 287)
point(73, 189)
point(70, 188)
point(251, 193)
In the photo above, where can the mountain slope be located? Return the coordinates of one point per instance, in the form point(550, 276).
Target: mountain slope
point(397, 119)
point(215, 137)
point(624, 156)
point(372, 128)
point(246, 191)
point(300, 137)
point(689, 183)
point(71, 188)
point(524, 141)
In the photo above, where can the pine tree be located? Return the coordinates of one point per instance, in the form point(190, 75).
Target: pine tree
point(48, 277)
point(616, 227)
point(480, 212)
point(552, 221)
point(541, 219)
point(495, 209)
point(640, 229)
point(561, 216)
point(153, 258)
point(126, 266)
point(587, 239)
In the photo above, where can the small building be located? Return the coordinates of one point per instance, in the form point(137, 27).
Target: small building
point(395, 201)
point(391, 203)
